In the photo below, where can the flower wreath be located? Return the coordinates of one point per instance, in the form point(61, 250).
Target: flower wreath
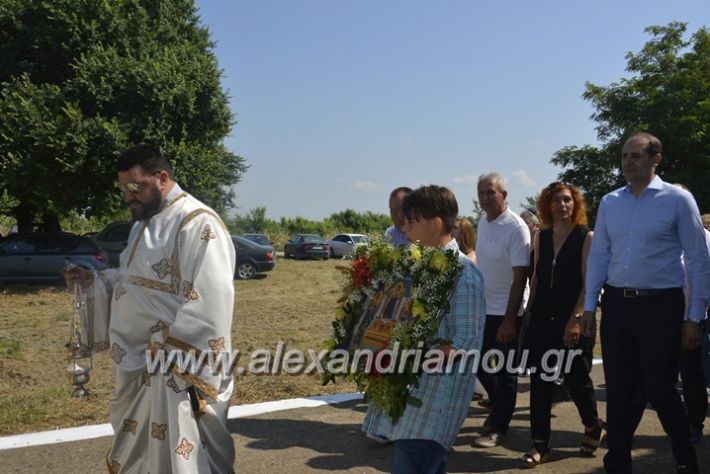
point(432, 273)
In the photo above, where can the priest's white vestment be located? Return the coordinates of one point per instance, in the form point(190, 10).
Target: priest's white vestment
point(173, 292)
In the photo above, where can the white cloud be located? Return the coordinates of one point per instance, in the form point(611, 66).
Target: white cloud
point(468, 179)
point(366, 186)
point(522, 178)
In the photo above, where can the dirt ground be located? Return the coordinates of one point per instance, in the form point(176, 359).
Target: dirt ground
point(328, 439)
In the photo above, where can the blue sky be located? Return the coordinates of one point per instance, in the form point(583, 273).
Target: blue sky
point(340, 101)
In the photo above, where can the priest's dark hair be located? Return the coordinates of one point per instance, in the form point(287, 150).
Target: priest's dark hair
point(428, 202)
point(147, 156)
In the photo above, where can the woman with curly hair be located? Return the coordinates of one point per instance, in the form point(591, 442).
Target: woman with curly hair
point(554, 308)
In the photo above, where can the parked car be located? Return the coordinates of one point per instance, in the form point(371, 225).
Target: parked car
point(259, 239)
point(114, 238)
point(307, 245)
point(40, 257)
point(252, 258)
point(344, 244)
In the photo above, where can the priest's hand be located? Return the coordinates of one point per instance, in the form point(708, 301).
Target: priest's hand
point(78, 275)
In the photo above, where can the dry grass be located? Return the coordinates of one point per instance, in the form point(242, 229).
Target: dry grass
point(294, 304)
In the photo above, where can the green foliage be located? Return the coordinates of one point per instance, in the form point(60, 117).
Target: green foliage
point(10, 346)
point(668, 95)
point(82, 80)
point(530, 201)
point(477, 214)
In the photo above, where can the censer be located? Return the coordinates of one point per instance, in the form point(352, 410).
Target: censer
point(78, 351)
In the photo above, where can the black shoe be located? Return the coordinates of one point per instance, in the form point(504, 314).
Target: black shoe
point(681, 469)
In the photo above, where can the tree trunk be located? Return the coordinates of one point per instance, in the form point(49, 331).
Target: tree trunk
point(23, 215)
point(50, 222)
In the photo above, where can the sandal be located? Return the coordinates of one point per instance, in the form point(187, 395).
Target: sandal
point(539, 453)
point(592, 439)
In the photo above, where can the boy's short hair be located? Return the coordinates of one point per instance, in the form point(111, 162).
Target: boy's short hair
point(428, 202)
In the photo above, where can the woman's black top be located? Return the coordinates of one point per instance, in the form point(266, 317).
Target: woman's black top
point(559, 280)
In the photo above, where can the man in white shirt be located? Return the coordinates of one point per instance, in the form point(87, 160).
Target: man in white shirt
point(503, 251)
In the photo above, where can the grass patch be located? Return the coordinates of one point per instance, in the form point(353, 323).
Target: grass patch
point(10, 346)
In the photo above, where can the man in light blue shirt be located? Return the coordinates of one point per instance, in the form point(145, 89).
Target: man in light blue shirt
point(640, 233)
point(394, 233)
point(377, 425)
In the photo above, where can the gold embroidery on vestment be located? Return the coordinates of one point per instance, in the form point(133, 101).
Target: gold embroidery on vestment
point(157, 327)
point(189, 292)
point(148, 283)
point(162, 268)
point(185, 448)
point(157, 431)
point(129, 426)
point(135, 243)
point(113, 467)
point(117, 353)
point(173, 384)
point(207, 234)
point(217, 345)
point(120, 291)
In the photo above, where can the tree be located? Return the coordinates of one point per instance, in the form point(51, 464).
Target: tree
point(667, 95)
point(477, 213)
point(81, 80)
point(530, 202)
point(256, 220)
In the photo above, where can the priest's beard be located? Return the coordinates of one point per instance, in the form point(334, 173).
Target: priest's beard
point(149, 208)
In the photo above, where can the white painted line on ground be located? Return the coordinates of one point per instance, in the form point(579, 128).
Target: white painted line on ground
point(99, 431)
point(242, 411)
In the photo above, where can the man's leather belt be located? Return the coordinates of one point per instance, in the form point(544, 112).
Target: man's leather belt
point(637, 292)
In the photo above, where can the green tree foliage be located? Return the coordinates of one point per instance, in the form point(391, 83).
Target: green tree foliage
point(360, 222)
point(668, 95)
point(478, 212)
point(81, 80)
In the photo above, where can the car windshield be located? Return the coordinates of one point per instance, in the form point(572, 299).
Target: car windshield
point(359, 238)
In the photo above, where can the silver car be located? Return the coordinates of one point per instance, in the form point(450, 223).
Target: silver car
point(345, 244)
point(40, 257)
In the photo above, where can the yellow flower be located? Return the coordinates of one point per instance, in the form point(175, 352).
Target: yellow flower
point(415, 253)
point(418, 308)
point(340, 313)
point(439, 262)
point(395, 255)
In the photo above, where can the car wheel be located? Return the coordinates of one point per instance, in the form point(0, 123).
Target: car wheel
point(246, 271)
point(299, 256)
